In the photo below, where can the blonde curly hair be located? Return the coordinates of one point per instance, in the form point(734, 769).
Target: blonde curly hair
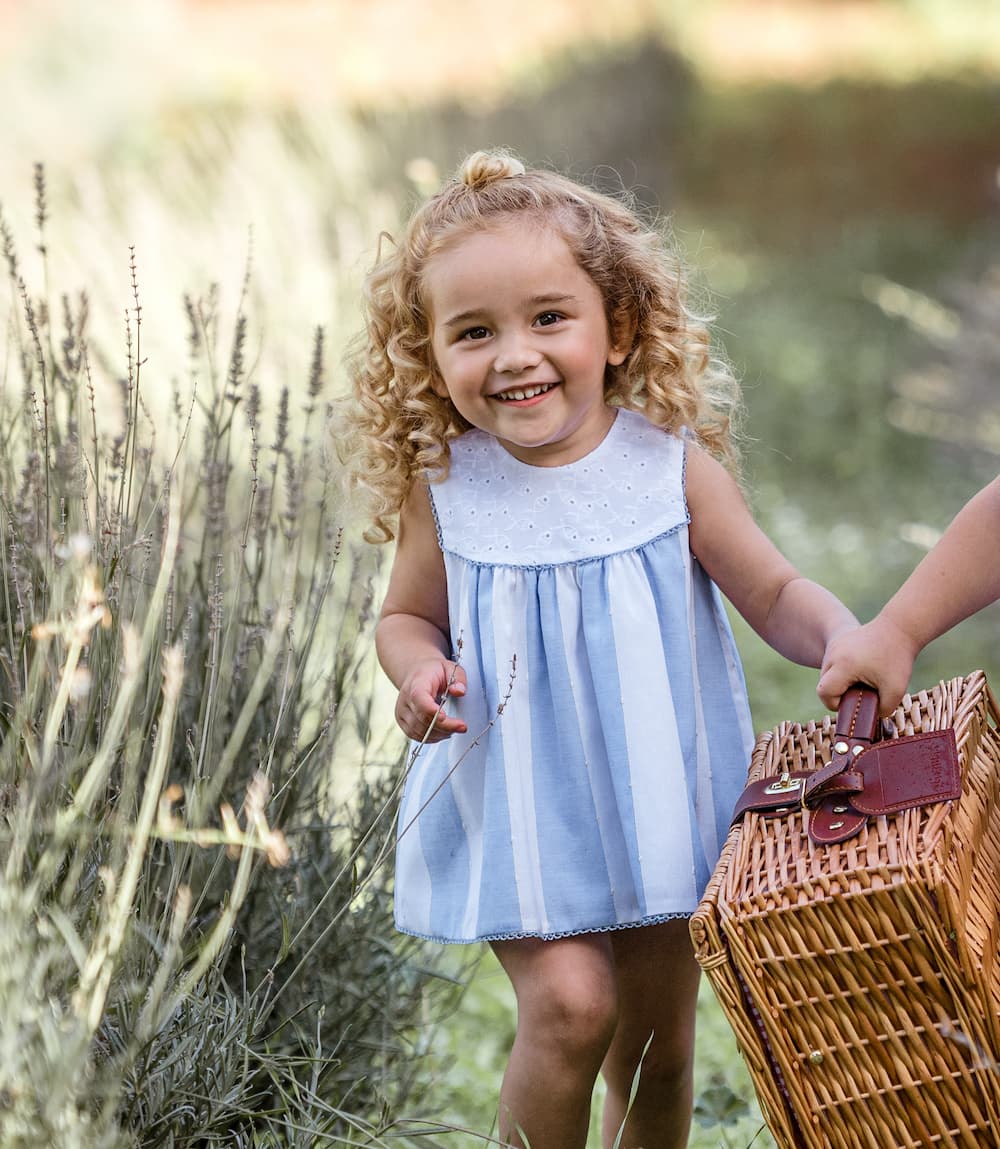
point(399, 428)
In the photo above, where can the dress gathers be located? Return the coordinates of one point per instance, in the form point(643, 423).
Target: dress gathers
point(608, 726)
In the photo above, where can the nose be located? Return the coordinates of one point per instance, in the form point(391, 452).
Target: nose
point(515, 353)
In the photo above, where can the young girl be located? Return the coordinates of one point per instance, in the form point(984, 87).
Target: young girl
point(541, 410)
point(957, 578)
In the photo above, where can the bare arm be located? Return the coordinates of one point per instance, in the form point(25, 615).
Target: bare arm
point(412, 639)
point(955, 579)
point(794, 615)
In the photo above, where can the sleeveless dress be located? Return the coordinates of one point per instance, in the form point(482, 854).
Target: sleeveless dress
point(608, 726)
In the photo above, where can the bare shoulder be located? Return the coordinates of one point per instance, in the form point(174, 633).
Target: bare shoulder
point(417, 516)
point(417, 539)
point(726, 539)
point(711, 491)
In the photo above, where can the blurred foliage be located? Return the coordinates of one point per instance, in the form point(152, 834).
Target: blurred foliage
point(853, 250)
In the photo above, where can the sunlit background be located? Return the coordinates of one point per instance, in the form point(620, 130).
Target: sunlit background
point(829, 166)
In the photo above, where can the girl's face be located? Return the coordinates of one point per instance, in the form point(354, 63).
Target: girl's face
point(521, 342)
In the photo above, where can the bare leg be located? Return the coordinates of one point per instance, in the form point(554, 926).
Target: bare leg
point(657, 979)
point(566, 1017)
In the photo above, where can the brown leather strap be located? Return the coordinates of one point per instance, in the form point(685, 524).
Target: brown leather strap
point(863, 779)
point(916, 770)
point(857, 726)
point(774, 794)
point(842, 781)
point(833, 819)
point(857, 716)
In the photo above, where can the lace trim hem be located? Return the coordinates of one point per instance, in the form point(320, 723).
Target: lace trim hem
point(654, 920)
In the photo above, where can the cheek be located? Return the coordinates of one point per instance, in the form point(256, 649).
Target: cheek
point(455, 370)
point(601, 352)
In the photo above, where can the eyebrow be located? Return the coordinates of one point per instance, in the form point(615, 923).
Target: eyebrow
point(547, 300)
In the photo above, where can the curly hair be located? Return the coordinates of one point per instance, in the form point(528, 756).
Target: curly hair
point(401, 429)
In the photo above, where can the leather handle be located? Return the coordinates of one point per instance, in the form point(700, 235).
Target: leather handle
point(857, 716)
point(856, 729)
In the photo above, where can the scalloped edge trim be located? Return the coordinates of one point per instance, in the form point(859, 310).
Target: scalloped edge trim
point(655, 920)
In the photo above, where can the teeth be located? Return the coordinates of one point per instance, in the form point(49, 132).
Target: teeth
point(526, 392)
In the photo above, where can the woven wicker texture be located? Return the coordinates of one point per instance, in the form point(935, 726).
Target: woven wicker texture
point(869, 968)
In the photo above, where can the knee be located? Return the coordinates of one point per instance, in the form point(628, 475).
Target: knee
point(670, 1069)
point(665, 1064)
point(576, 1014)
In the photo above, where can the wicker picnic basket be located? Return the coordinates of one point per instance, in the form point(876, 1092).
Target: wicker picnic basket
point(862, 978)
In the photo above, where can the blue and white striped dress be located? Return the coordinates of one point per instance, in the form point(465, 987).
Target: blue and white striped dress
point(601, 793)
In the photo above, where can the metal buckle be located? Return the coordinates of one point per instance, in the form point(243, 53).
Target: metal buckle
point(785, 785)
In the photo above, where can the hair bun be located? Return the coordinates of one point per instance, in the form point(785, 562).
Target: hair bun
point(482, 168)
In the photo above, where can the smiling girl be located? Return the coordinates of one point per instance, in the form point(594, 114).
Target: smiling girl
point(539, 408)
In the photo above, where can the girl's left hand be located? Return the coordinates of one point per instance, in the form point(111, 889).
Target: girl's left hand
point(879, 654)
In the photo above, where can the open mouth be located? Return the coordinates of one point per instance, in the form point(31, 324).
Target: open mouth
point(518, 394)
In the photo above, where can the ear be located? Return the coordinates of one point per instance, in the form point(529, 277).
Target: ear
point(621, 348)
point(438, 386)
point(437, 383)
point(622, 340)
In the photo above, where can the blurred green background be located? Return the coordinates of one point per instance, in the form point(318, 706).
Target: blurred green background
point(830, 167)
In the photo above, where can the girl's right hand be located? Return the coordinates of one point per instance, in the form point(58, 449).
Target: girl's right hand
point(422, 697)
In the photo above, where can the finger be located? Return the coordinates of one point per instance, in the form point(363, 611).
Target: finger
point(447, 724)
point(454, 687)
point(437, 733)
point(830, 700)
point(430, 722)
point(830, 689)
point(889, 697)
point(458, 681)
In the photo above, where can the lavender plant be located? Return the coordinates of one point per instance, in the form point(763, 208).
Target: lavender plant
point(196, 947)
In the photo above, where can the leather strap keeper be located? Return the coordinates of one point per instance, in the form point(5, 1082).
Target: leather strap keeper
point(865, 778)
